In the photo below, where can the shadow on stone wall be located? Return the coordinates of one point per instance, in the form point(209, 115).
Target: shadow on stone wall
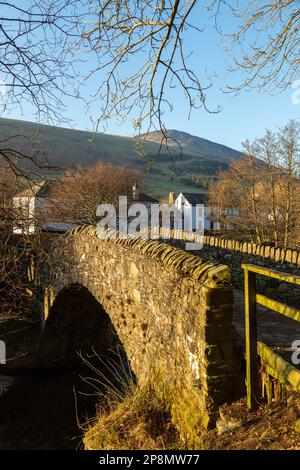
point(79, 329)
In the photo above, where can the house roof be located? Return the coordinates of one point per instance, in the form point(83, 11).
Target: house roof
point(146, 198)
point(41, 189)
point(195, 198)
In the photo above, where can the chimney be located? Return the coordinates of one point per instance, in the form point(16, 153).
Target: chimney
point(171, 198)
point(135, 191)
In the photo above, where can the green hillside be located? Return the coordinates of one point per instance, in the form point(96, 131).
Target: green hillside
point(63, 148)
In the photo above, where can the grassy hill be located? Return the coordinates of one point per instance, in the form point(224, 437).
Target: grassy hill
point(63, 148)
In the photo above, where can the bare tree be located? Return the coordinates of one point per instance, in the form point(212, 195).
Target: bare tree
point(266, 43)
point(265, 149)
point(77, 195)
point(235, 199)
point(36, 71)
point(253, 198)
point(15, 259)
point(281, 152)
point(140, 49)
point(17, 272)
point(36, 64)
point(274, 61)
point(289, 158)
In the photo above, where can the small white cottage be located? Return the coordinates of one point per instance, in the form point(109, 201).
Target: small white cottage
point(33, 209)
point(187, 203)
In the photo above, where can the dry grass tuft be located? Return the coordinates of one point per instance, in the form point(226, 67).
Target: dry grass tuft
point(141, 421)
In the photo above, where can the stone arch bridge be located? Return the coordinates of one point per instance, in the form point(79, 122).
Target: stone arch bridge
point(171, 311)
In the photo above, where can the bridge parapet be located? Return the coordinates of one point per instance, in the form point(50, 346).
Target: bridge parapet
point(234, 253)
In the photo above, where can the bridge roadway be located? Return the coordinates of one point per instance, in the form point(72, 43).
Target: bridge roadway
point(275, 330)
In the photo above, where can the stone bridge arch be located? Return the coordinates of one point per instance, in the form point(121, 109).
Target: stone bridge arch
point(171, 311)
point(77, 323)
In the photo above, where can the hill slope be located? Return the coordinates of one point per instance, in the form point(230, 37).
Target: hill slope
point(63, 147)
point(195, 145)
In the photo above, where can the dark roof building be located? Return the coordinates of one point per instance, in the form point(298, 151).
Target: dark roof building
point(42, 189)
point(194, 198)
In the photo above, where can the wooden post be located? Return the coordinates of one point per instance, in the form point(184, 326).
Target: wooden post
point(251, 339)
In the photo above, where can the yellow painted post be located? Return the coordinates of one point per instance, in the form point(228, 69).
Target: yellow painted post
point(251, 338)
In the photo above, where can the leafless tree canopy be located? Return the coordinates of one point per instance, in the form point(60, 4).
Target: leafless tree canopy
point(35, 65)
point(265, 47)
point(140, 46)
point(261, 202)
point(141, 52)
point(16, 251)
point(36, 69)
point(80, 192)
point(136, 51)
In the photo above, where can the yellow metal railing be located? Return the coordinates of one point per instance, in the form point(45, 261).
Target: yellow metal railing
point(276, 365)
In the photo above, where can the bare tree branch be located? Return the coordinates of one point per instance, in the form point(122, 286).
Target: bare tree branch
point(140, 47)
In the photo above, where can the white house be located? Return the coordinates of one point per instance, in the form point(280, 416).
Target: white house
point(33, 209)
point(187, 204)
point(24, 209)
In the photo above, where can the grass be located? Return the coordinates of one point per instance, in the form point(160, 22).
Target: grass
point(154, 413)
point(141, 421)
point(129, 415)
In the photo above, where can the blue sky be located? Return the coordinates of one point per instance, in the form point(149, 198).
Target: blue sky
point(244, 116)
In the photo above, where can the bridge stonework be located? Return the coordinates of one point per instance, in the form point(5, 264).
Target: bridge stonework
point(171, 311)
point(234, 253)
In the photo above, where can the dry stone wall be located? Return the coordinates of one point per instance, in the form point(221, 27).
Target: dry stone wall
point(234, 253)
